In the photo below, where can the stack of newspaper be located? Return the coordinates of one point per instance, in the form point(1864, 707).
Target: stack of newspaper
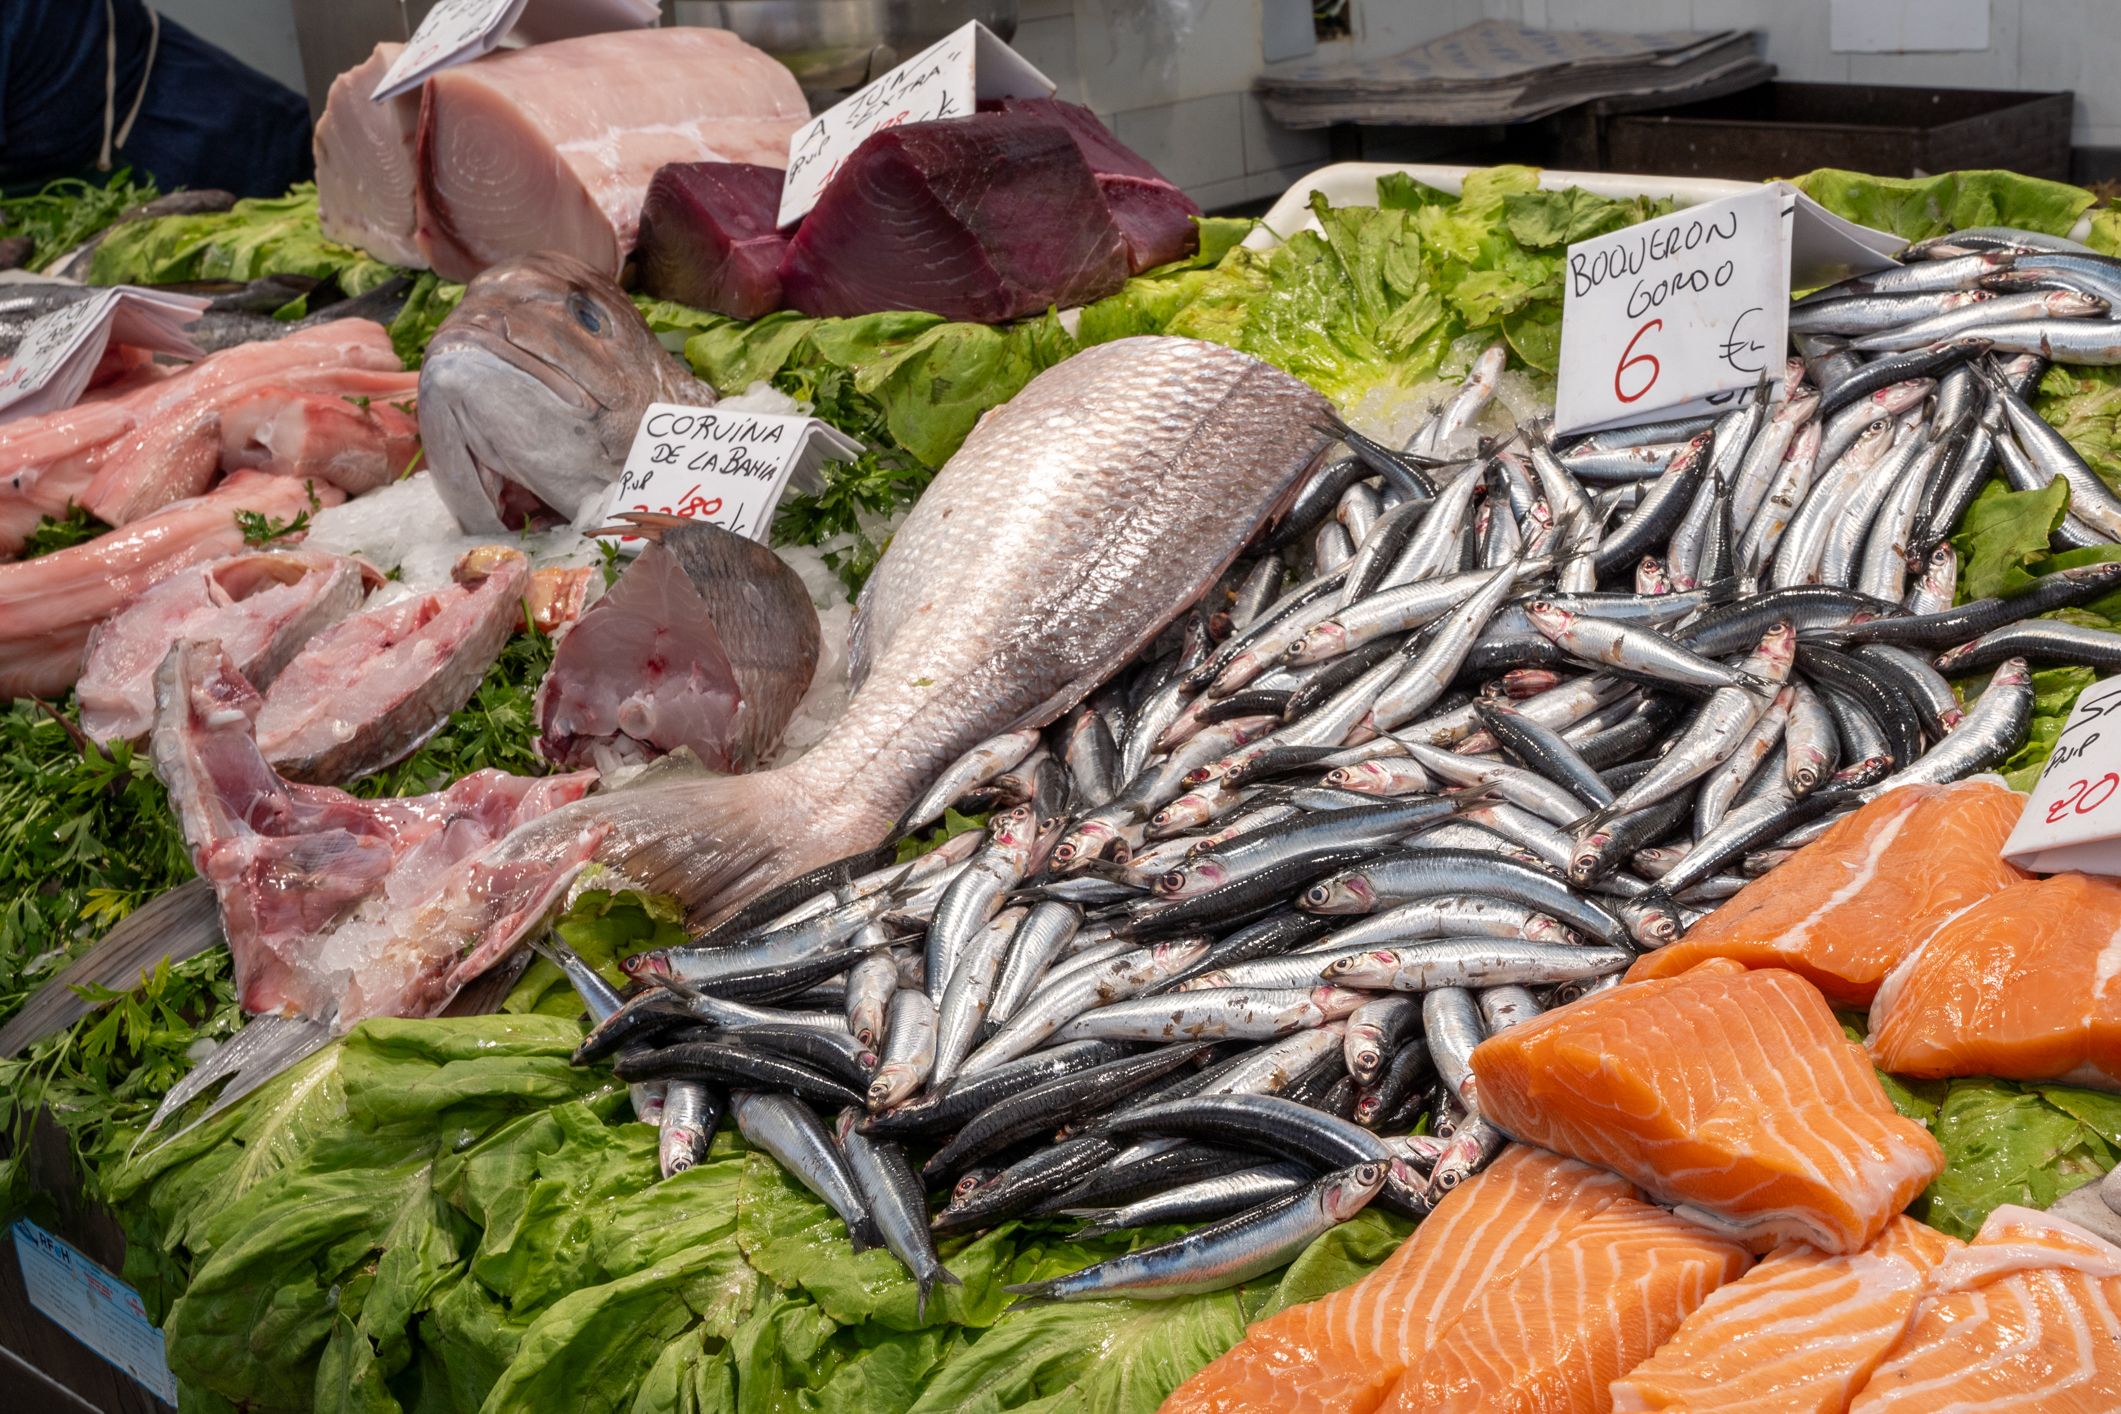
point(1500, 72)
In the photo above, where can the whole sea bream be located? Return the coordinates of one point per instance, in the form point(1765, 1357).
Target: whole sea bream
point(1061, 538)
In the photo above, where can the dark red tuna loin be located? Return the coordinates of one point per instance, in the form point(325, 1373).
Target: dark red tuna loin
point(708, 237)
point(985, 218)
point(1155, 219)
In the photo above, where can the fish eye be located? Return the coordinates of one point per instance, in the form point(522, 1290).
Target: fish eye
point(585, 312)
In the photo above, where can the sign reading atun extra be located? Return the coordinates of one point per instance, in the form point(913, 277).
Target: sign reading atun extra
point(719, 464)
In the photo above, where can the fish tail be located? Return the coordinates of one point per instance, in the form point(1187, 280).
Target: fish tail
point(713, 843)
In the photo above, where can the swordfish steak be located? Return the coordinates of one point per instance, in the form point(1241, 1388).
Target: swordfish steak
point(552, 147)
point(364, 152)
point(1073, 524)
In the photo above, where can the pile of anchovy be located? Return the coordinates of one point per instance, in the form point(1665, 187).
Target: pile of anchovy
point(1471, 726)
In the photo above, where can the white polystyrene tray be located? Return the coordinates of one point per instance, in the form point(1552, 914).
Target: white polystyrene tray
point(1355, 184)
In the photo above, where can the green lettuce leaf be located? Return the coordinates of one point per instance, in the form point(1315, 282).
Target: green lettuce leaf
point(2003, 534)
point(259, 236)
point(2005, 1143)
point(1919, 207)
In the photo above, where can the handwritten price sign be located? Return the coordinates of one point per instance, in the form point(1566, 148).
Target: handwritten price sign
point(2073, 820)
point(720, 465)
point(458, 31)
point(1685, 313)
point(945, 80)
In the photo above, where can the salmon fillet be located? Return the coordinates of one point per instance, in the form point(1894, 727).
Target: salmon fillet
point(1798, 1334)
point(2025, 984)
point(1552, 1337)
point(1731, 1094)
point(1345, 1351)
point(1847, 907)
point(2025, 1318)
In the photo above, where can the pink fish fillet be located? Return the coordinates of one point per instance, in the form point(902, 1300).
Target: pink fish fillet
point(364, 152)
point(355, 442)
point(259, 607)
point(368, 690)
point(49, 462)
point(49, 604)
point(552, 147)
point(314, 884)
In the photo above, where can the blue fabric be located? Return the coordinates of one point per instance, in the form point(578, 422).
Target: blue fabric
point(206, 121)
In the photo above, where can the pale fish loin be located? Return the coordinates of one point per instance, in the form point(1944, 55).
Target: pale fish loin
point(1049, 551)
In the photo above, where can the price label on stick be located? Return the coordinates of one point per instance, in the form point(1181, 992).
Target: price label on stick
point(457, 31)
point(945, 80)
point(2073, 820)
point(720, 465)
point(1689, 312)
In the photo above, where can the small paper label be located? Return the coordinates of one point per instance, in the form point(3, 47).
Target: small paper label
point(1690, 311)
point(93, 1306)
point(457, 31)
point(2073, 820)
point(58, 353)
point(719, 465)
point(945, 80)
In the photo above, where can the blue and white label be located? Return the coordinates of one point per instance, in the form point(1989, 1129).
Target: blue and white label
point(95, 1308)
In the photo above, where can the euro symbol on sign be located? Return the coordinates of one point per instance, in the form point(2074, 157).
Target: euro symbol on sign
point(1741, 351)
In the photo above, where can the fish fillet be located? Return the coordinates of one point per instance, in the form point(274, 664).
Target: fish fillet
point(364, 153)
point(1344, 1352)
point(356, 442)
point(1798, 1334)
point(261, 608)
point(2026, 1318)
point(2026, 985)
point(1732, 1094)
point(552, 147)
point(1846, 908)
point(48, 605)
point(1551, 1337)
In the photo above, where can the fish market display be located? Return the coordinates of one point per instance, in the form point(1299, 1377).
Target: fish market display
point(1731, 1094)
point(1844, 910)
point(365, 163)
point(261, 608)
point(312, 882)
point(985, 218)
point(2019, 985)
point(708, 641)
point(2026, 1316)
point(125, 457)
point(532, 390)
point(1346, 1351)
point(1556, 1332)
point(710, 237)
point(1801, 1332)
point(50, 605)
point(551, 148)
point(369, 689)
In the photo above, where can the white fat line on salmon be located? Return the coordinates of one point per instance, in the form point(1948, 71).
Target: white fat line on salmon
point(1800, 932)
point(1888, 993)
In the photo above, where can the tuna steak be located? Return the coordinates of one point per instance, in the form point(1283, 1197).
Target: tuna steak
point(364, 152)
point(261, 608)
point(552, 147)
point(1075, 521)
point(372, 688)
point(986, 218)
point(312, 882)
point(1155, 219)
point(708, 237)
point(707, 641)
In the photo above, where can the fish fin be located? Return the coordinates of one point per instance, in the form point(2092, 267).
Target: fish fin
point(176, 925)
point(710, 843)
point(485, 993)
point(265, 1047)
point(1597, 819)
point(1724, 590)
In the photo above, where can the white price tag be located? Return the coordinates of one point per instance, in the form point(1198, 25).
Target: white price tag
point(945, 80)
point(58, 354)
point(93, 1306)
point(1685, 313)
point(457, 31)
point(720, 465)
point(2073, 820)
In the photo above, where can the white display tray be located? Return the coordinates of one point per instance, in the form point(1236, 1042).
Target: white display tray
point(1355, 184)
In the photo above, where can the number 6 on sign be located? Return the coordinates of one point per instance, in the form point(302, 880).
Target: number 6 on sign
point(1629, 358)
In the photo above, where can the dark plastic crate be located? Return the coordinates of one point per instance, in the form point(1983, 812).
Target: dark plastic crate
point(1782, 129)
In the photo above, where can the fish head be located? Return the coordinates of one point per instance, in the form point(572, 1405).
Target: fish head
point(642, 966)
point(1368, 1103)
point(1777, 650)
point(1650, 576)
point(1319, 642)
point(677, 1147)
point(1196, 876)
point(1345, 893)
point(1588, 858)
point(1350, 1191)
point(2014, 672)
point(970, 1183)
point(2073, 304)
point(1205, 982)
point(532, 389)
point(1807, 769)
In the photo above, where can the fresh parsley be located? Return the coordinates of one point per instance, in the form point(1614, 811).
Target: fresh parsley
point(76, 527)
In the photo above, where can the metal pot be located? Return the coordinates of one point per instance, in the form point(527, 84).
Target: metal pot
point(835, 46)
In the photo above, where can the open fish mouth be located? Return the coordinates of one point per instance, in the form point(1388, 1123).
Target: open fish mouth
point(524, 409)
